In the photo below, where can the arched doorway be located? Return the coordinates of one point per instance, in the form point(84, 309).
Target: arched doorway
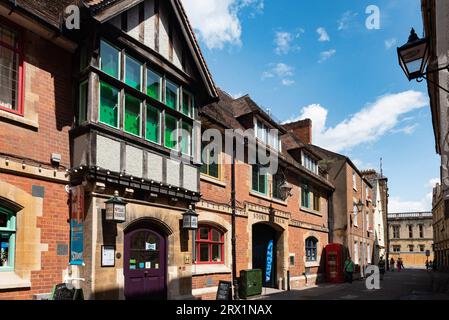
point(145, 264)
point(264, 252)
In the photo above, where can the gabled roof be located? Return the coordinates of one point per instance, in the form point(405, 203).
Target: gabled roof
point(51, 12)
point(245, 105)
point(333, 155)
point(223, 113)
point(105, 10)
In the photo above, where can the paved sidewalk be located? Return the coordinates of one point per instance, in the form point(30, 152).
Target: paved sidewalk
point(409, 284)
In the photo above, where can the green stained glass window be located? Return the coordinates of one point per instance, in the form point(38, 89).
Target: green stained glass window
point(171, 131)
point(186, 144)
point(132, 115)
point(154, 85)
point(153, 124)
point(109, 97)
point(109, 59)
point(187, 104)
point(133, 73)
point(171, 95)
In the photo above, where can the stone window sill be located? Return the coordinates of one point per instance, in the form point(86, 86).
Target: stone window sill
point(316, 213)
point(268, 198)
point(213, 181)
point(10, 280)
point(311, 264)
point(20, 120)
point(203, 269)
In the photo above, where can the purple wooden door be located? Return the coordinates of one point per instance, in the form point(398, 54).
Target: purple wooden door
point(145, 264)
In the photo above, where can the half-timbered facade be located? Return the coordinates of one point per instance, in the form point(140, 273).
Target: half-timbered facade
point(140, 79)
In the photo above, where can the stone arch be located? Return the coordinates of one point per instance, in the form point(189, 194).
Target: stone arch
point(28, 246)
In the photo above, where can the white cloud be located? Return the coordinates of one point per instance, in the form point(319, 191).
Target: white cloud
point(281, 71)
point(389, 43)
point(283, 41)
point(398, 205)
point(287, 82)
point(346, 19)
point(432, 182)
point(217, 22)
point(367, 125)
point(236, 95)
point(326, 55)
point(324, 36)
point(408, 130)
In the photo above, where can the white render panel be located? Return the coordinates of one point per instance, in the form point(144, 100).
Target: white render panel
point(134, 161)
point(154, 163)
point(173, 169)
point(108, 154)
point(177, 52)
point(133, 22)
point(80, 146)
point(163, 32)
point(149, 25)
point(190, 178)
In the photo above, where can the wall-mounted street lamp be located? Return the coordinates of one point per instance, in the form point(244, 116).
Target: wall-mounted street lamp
point(116, 209)
point(190, 219)
point(285, 190)
point(413, 59)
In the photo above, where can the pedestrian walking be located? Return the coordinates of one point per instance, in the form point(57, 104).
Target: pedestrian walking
point(349, 269)
point(398, 265)
point(381, 265)
point(427, 265)
point(392, 264)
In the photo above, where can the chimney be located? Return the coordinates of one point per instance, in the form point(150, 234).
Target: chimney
point(301, 129)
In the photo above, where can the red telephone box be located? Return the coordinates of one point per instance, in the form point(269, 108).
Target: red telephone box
point(334, 263)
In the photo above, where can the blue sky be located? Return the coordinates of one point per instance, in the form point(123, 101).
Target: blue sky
point(318, 59)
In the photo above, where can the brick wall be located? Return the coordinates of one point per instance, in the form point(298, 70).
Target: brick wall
point(54, 230)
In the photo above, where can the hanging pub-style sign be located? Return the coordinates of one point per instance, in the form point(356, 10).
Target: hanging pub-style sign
point(116, 209)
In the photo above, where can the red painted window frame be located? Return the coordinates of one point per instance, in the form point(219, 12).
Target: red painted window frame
point(19, 50)
point(210, 242)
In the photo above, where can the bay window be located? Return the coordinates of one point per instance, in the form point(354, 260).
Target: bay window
point(154, 85)
point(187, 104)
point(10, 70)
point(133, 73)
point(171, 131)
point(82, 112)
point(109, 59)
point(209, 245)
point(171, 95)
point(186, 142)
point(132, 115)
point(109, 104)
point(153, 124)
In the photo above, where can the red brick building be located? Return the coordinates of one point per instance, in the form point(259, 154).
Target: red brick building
point(36, 113)
point(298, 225)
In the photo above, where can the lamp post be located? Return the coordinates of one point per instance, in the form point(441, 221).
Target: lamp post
point(413, 59)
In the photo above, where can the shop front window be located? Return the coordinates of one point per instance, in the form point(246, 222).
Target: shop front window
point(209, 245)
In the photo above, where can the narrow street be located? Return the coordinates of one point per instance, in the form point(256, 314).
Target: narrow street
point(412, 284)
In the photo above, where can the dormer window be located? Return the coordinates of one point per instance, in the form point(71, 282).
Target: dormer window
point(309, 163)
point(267, 135)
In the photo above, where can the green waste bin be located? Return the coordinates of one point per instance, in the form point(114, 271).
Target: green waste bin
point(250, 283)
